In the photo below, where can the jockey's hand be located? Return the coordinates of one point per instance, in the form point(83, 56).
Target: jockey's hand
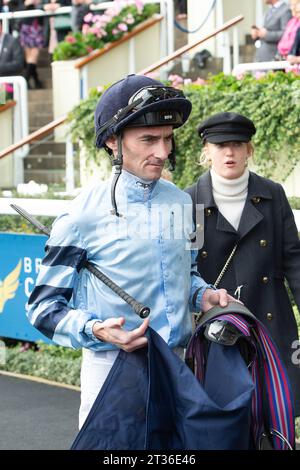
point(212, 297)
point(111, 331)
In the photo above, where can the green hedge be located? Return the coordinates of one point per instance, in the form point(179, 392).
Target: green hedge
point(17, 224)
point(273, 102)
point(50, 362)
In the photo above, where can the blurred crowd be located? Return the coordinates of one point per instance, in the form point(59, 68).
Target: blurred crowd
point(278, 38)
point(20, 49)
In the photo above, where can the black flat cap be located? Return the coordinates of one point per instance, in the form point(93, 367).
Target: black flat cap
point(226, 127)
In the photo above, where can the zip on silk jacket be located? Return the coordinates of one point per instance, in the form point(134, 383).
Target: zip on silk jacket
point(146, 252)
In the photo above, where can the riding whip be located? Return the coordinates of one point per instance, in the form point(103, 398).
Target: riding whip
point(139, 308)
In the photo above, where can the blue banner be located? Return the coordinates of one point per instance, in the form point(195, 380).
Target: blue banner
point(20, 259)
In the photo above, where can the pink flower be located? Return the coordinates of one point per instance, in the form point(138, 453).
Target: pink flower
point(199, 81)
point(100, 88)
point(70, 39)
point(153, 75)
point(259, 75)
point(98, 18)
point(175, 79)
point(8, 87)
point(88, 17)
point(123, 27)
point(129, 20)
point(139, 5)
point(187, 81)
point(295, 69)
point(115, 31)
point(85, 29)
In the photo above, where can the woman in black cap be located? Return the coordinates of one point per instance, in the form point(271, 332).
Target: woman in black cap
point(251, 244)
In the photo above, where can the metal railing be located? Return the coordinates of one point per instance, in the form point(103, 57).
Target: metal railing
point(179, 52)
point(20, 123)
point(239, 69)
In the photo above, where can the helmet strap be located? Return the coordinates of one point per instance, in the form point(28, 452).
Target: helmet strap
point(172, 156)
point(117, 163)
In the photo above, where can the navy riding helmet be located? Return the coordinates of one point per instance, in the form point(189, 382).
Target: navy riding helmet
point(137, 101)
point(140, 101)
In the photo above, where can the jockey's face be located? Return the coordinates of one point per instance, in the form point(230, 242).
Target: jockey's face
point(145, 150)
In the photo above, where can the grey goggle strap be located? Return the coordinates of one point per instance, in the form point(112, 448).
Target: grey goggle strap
point(172, 156)
point(118, 116)
point(117, 164)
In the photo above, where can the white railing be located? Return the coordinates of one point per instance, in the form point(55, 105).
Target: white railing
point(20, 122)
point(51, 207)
point(54, 207)
point(70, 174)
point(260, 66)
point(166, 9)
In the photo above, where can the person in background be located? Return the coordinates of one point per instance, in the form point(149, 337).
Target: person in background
point(32, 40)
point(294, 54)
point(182, 9)
point(11, 6)
point(58, 26)
point(267, 37)
point(249, 225)
point(286, 42)
point(11, 55)
point(80, 8)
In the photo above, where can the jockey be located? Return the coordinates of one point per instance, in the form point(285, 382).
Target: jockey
point(137, 232)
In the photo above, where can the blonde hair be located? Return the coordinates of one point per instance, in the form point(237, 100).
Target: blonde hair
point(205, 161)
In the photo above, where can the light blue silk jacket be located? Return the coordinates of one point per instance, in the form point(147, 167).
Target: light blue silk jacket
point(146, 251)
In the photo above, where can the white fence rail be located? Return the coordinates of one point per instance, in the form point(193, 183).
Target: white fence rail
point(51, 207)
point(54, 207)
point(260, 66)
point(20, 122)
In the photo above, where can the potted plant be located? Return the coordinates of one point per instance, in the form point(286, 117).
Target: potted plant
point(99, 30)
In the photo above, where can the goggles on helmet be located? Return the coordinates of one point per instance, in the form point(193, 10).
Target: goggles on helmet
point(141, 98)
point(152, 94)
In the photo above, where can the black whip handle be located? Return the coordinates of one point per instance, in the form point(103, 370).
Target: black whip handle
point(139, 308)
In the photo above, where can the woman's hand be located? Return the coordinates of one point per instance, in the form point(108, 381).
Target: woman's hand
point(293, 59)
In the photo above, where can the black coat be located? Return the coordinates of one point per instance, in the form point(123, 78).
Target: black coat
point(268, 253)
point(11, 56)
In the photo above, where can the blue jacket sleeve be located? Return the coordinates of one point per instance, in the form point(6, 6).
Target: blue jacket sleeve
point(50, 304)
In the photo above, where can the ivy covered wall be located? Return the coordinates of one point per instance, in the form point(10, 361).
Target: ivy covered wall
point(272, 101)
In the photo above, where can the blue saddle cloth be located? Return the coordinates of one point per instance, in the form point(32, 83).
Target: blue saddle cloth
point(151, 400)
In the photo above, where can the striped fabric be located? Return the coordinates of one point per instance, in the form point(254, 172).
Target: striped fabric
point(273, 395)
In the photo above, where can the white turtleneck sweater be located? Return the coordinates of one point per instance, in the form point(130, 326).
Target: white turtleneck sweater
point(230, 195)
